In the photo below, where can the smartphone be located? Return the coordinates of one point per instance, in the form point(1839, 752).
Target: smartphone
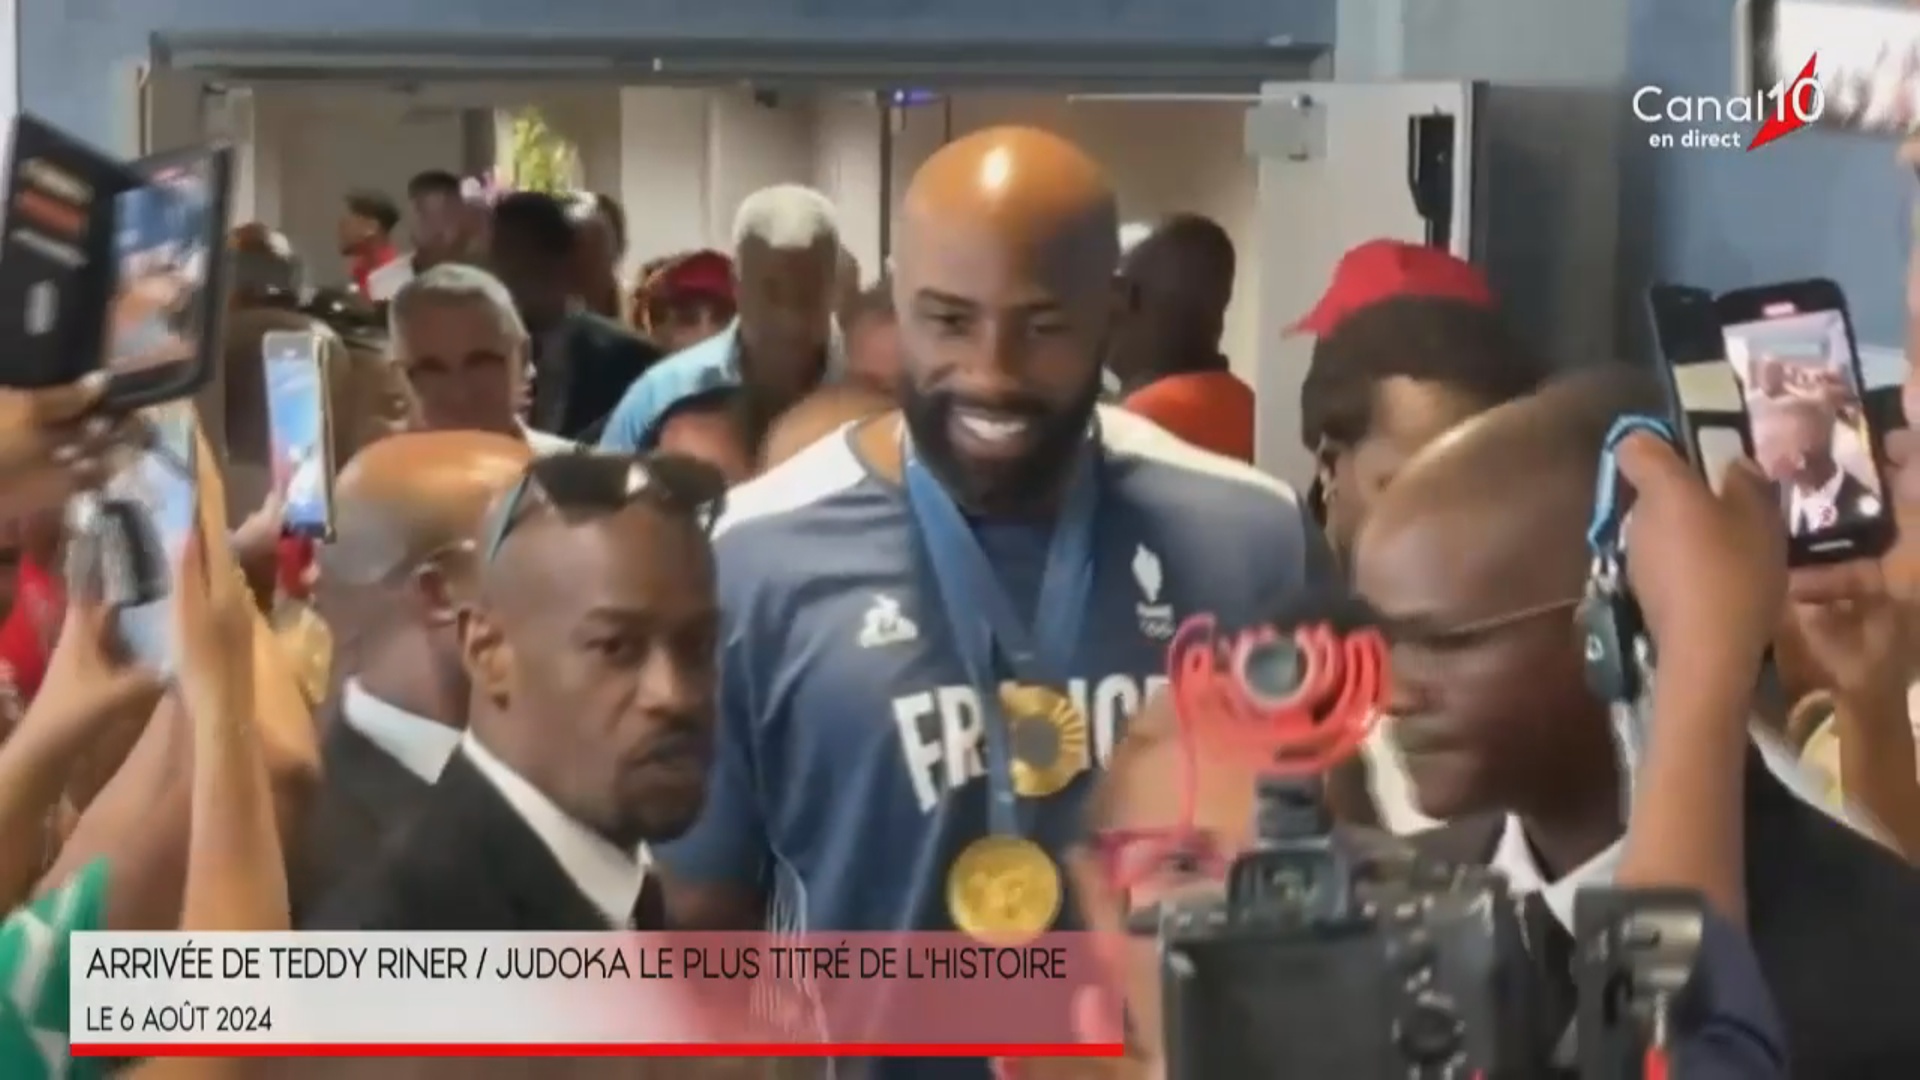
point(169, 274)
point(1791, 347)
point(56, 262)
point(161, 485)
point(300, 429)
point(1702, 392)
point(1865, 55)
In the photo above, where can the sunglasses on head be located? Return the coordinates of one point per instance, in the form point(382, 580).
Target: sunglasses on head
point(588, 484)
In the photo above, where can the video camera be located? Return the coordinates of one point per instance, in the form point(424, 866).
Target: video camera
point(1337, 954)
point(1324, 961)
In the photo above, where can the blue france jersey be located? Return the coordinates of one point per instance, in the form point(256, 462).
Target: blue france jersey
point(850, 767)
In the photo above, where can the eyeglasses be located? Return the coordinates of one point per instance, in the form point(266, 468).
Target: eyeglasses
point(587, 484)
point(1420, 637)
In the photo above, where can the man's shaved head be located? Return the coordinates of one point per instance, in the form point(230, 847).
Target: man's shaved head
point(1004, 284)
point(1476, 554)
point(1179, 282)
point(410, 496)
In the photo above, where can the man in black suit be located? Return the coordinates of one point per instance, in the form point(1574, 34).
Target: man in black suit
point(407, 511)
point(1475, 556)
point(1793, 439)
point(582, 362)
point(591, 648)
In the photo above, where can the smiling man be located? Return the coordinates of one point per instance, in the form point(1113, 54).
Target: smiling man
point(882, 766)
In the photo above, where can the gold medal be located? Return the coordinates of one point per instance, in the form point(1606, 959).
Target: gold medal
point(1004, 890)
point(1048, 737)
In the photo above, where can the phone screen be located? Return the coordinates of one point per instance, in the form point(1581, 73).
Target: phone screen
point(162, 482)
point(1800, 382)
point(162, 250)
point(297, 427)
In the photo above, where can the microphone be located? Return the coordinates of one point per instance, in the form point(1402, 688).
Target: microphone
point(1301, 689)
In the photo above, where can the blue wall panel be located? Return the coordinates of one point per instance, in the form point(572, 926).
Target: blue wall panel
point(1815, 204)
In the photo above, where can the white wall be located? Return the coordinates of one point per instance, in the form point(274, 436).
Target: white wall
point(681, 160)
point(310, 147)
point(1162, 157)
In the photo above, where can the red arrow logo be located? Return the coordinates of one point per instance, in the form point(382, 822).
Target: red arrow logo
point(1787, 116)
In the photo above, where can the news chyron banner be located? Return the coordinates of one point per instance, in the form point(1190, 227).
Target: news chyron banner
point(580, 995)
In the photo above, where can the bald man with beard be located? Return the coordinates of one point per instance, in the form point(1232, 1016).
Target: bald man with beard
point(862, 674)
point(407, 512)
point(1475, 556)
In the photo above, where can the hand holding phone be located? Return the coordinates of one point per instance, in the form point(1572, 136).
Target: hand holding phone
point(300, 429)
point(162, 488)
point(112, 266)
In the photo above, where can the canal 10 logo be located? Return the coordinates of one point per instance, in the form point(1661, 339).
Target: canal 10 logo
point(1739, 122)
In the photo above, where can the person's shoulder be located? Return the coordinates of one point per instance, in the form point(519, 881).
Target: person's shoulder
point(783, 500)
point(421, 876)
point(1214, 487)
point(696, 367)
point(610, 335)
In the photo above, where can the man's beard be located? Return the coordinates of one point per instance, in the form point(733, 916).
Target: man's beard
point(1023, 485)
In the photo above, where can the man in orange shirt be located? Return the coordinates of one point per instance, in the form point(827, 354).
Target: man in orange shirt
point(1166, 352)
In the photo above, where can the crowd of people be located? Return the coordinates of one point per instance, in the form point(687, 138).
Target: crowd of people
point(709, 605)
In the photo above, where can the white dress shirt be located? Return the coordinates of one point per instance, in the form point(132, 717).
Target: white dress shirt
point(421, 745)
point(606, 875)
point(1389, 784)
point(1817, 509)
point(1513, 858)
point(546, 443)
point(386, 282)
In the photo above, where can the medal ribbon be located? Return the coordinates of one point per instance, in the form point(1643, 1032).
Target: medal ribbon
point(986, 626)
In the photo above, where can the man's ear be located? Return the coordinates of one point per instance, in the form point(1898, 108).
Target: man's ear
point(433, 591)
point(484, 652)
point(1326, 468)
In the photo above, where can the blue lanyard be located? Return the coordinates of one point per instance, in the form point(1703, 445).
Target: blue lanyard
point(1606, 530)
point(986, 627)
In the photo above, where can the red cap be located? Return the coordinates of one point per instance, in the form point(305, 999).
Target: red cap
point(1384, 269)
point(702, 274)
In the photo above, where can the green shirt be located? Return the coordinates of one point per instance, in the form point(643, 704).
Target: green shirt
point(35, 943)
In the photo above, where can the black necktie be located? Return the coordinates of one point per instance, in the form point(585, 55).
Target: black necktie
point(1550, 945)
point(649, 908)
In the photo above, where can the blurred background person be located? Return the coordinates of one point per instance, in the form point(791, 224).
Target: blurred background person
point(872, 333)
point(1166, 351)
point(581, 362)
point(686, 299)
point(600, 225)
point(784, 341)
point(366, 235)
point(459, 339)
point(443, 223)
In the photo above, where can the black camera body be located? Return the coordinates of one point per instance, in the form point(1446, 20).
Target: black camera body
point(1327, 959)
